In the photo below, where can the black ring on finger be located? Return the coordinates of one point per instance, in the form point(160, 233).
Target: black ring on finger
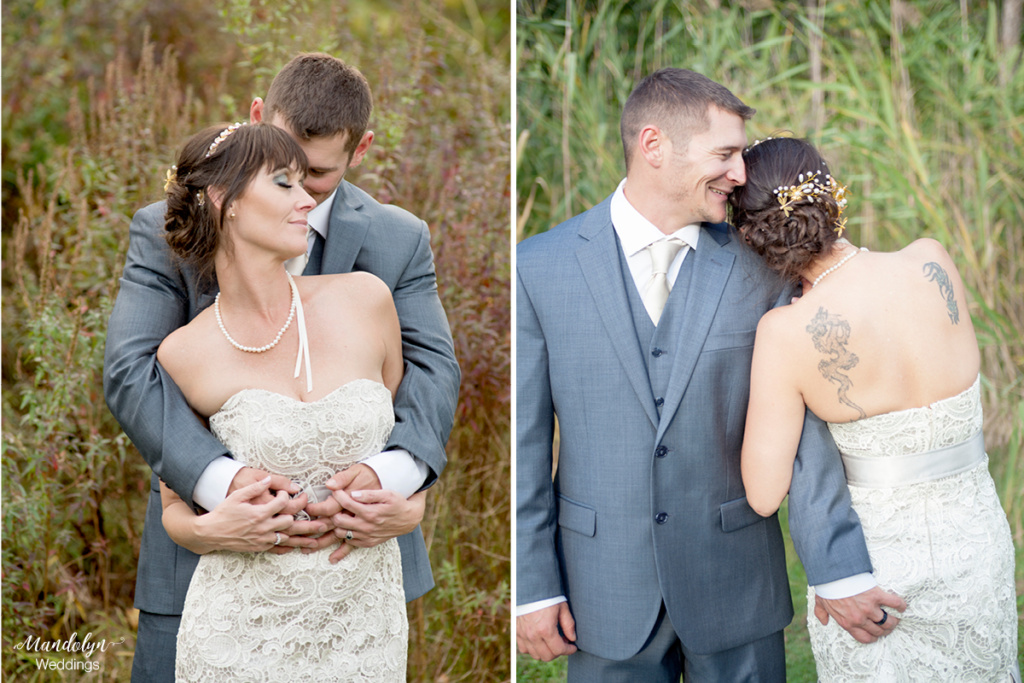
point(885, 615)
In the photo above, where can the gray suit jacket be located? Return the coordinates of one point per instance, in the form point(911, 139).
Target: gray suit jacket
point(157, 297)
point(648, 504)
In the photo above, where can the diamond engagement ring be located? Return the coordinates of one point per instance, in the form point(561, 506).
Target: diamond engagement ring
point(348, 535)
point(277, 538)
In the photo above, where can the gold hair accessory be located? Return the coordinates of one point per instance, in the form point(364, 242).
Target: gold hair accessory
point(807, 188)
point(200, 198)
point(758, 142)
point(172, 177)
point(224, 135)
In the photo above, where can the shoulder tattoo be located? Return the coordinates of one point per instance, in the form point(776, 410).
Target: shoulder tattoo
point(830, 335)
point(934, 272)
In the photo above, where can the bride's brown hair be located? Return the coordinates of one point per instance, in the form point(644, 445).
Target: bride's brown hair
point(787, 241)
point(192, 223)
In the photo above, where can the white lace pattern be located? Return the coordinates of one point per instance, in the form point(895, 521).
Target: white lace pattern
point(943, 545)
point(262, 617)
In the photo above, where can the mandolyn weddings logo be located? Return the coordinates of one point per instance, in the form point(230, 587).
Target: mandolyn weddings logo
point(86, 647)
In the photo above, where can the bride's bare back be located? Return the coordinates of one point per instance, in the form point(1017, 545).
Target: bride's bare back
point(886, 332)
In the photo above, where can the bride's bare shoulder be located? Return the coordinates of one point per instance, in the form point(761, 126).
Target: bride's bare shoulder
point(186, 346)
point(779, 325)
point(356, 283)
point(925, 248)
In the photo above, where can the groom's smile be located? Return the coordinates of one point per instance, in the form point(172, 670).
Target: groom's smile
point(709, 167)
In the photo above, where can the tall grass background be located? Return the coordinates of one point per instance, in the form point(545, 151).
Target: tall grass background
point(98, 97)
point(918, 105)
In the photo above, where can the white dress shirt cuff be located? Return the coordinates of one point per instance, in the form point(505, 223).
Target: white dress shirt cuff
point(523, 610)
point(398, 470)
point(212, 487)
point(844, 588)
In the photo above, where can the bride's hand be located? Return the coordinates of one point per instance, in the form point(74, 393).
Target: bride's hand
point(374, 516)
point(242, 524)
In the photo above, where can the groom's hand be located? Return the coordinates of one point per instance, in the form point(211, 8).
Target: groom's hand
point(356, 478)
point(547, 633)
point(251, 475)
point(859, 614)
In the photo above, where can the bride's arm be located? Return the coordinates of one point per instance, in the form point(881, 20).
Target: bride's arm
point(237, 524)
point(775, 418)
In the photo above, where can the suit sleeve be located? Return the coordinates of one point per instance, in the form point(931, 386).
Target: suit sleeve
point(152, 302)
point(538, 576)
point(426, 399)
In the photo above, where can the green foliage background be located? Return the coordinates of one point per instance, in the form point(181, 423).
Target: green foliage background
point(917, 104)
point(98, 96)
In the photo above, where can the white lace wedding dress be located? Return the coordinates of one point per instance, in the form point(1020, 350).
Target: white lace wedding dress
point(297, 617)
point(937, 537)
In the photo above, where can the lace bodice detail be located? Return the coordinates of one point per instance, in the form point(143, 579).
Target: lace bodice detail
point(914, 430)
point(943, 545)
point(266, 617)
point(306, 442)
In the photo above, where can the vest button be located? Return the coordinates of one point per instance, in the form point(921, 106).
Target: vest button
point(661, 517)
point(659, 402)
point(661, 452)
point(656, 352)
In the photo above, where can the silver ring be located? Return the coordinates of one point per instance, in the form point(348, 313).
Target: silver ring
point(885, 615)
point(348, 535)
point(277, 538)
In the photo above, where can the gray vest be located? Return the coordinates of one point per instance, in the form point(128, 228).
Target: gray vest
point(657, 342)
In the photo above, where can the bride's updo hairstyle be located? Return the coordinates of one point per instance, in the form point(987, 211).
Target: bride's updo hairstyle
point(226, 158)
point(791, 233)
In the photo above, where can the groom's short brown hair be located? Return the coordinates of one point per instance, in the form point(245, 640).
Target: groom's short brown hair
point(318, 95)
point(677, 101)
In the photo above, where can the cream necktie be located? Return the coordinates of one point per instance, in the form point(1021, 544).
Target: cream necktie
point(656, 292)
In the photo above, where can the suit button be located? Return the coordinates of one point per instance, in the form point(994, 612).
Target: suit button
point(656, 352)
point(661, 517)
point(661, 452)
point(659, 402)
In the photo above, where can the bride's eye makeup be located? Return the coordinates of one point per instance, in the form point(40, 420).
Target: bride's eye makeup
point(281, 179)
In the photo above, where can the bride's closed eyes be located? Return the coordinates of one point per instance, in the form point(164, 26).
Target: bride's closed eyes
point(288, 178)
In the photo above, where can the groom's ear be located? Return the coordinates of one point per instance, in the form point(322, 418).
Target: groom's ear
point(361, 149)
point(256, 110)
point(651, 145)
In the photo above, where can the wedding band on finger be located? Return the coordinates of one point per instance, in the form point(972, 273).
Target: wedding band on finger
point(277, 538)
point(348, 535)
point(885, 616)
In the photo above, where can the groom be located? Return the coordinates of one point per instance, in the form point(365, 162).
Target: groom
point(640, 558)
point(325, 105)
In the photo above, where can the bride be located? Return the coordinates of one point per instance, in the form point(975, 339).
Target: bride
point(880, 346)
point(236, 211)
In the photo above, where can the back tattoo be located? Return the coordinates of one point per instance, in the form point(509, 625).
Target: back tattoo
point(934, 272)
point(830, 335)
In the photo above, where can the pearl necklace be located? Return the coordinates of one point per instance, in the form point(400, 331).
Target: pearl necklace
point(841, 261)
point(267, 347)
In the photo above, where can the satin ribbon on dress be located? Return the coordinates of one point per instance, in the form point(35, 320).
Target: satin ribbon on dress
point(914, 468)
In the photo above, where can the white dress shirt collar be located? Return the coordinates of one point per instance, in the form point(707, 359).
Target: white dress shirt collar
point(636, 233)
point(319, 218)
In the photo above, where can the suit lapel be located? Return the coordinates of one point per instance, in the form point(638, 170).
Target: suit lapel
point(599, 259)
point(710, 276)
point(349, 224)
